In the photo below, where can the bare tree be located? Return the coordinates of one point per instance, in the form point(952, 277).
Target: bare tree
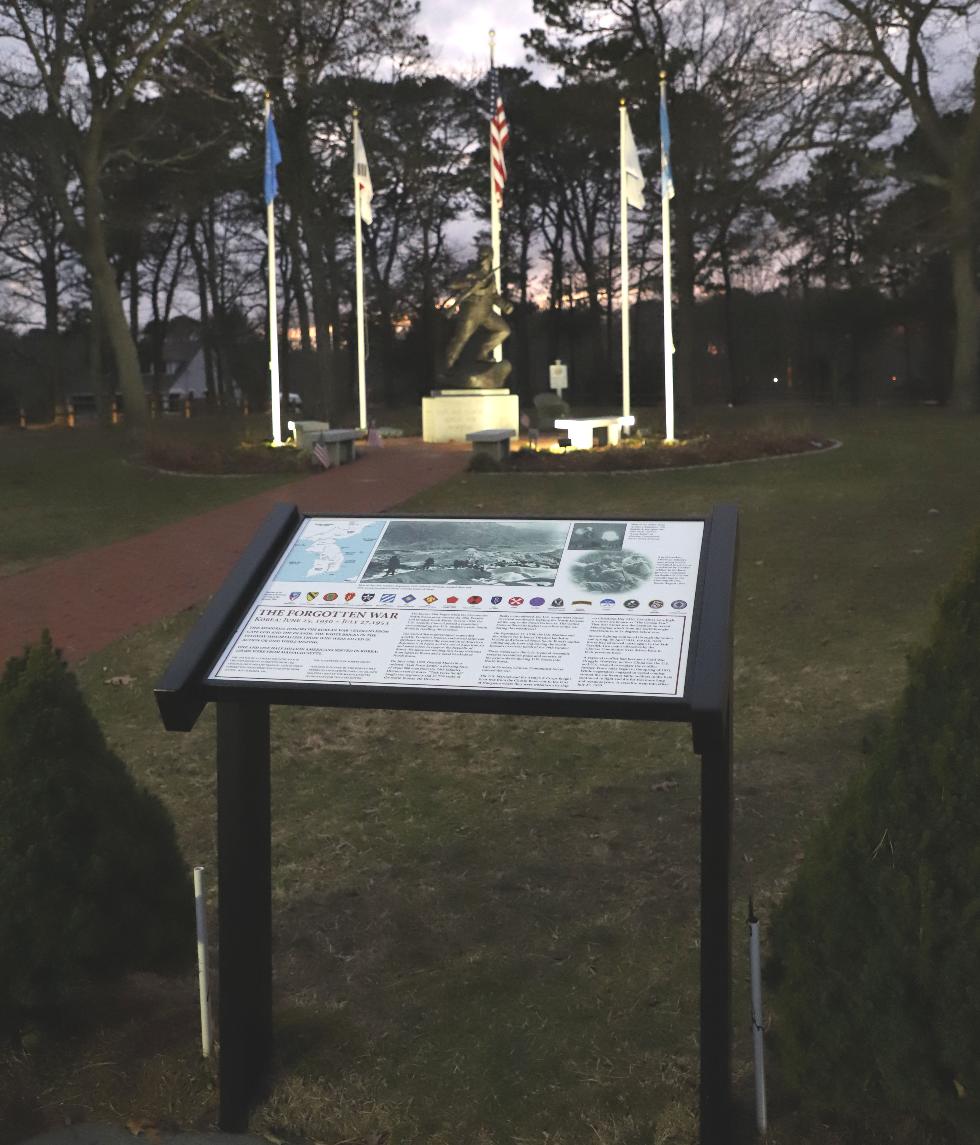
point(744, 102)
point(420, 139)
point(297, 49)
point(84, 63)
point(31, 235)
point(914, 45)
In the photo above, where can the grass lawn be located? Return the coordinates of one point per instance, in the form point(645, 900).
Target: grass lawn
point(66, 490)
point(486, 927)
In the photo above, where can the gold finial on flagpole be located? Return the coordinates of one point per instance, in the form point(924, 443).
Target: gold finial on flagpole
point(663, 77)
point(622, 102)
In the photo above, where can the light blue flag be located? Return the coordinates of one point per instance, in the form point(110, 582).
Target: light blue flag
point(666, 174)
point(273, 157)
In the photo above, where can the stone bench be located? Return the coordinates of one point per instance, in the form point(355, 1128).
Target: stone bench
point(495, 442)
point(339, 444)
point(581, 429)
point(305, 431)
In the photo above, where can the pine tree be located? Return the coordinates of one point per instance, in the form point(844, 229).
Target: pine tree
point(92, 883)
point(876, 945)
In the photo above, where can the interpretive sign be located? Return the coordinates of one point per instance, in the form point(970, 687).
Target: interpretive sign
point(578, 618)
point(602, 607)
point(558, 376)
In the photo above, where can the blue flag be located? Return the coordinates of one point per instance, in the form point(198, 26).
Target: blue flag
point(666, 174)
point(273, 157)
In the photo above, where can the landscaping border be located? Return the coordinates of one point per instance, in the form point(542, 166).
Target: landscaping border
point(835, 443)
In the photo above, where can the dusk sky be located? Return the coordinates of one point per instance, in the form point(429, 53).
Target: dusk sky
point(459, 31)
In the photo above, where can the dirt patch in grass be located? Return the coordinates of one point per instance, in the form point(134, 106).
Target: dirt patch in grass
point(655, 453)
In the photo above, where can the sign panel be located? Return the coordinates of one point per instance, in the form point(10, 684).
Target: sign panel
point(558, 376)
point(597, 607)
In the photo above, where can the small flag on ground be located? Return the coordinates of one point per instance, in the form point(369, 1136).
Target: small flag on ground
point(273, 157)
point(320, 453)
point(362, 176)
point(631, 166)
point(666, 174)
point(499, 134)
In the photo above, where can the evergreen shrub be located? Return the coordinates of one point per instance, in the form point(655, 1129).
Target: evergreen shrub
point(876, 947)
point(548, 406)
point(92, 882)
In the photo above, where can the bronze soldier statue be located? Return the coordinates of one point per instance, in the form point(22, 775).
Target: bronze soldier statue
point(469, 360)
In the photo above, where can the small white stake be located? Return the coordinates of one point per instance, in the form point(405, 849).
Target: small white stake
point(202, 961)
point(757, 1028)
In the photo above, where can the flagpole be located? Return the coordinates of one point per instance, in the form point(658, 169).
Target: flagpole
point(270, 226)
point(498, 351)
point(359, 279)
point(624, 266)
point(668, 325)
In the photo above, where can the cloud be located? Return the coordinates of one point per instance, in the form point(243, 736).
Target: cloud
point(459, 31)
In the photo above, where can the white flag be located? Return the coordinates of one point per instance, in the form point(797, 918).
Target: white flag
point(632, 170)
point(362, 177)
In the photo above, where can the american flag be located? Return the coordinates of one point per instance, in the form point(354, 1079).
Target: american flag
point(320, 453)
point(499, 134)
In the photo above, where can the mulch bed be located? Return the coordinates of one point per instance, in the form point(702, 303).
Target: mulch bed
point(652, 453)
point(173, 455)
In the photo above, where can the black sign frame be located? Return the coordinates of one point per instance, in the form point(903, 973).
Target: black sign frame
point(244, 794)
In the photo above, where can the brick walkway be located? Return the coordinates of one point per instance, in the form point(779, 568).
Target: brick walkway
point(92, 598)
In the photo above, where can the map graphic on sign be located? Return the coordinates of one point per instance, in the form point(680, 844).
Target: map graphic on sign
point(328, 550)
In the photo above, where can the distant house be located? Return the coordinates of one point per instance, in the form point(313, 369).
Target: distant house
point(184, 373)
point(183, 363)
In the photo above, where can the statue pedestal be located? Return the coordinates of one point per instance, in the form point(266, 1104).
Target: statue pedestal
point(449, 415)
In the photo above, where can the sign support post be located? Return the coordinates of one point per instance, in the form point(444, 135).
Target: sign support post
point(711, 728)
point(244, 908)
point(715, 746)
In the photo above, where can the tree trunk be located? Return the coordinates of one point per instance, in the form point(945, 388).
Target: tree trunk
point(157, 338)
point(683, 326)
point(161, 318)
point(386, 310)
point(731, 347)
point(207, 339)
point(556, 288)
point(134, 301)
point(285, 324)
point(216, 383)
point(109, 300)
point(49, 282)
point(53, 354)
point(303, 317)
point(430, 320)
point(525, 384)
point(965, 394)
point(315, 244)
point(299, 290)
point(96, 364)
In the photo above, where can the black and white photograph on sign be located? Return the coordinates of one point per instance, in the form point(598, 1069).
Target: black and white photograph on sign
point(510, 553)
point(596, 535)
point(604, 571)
